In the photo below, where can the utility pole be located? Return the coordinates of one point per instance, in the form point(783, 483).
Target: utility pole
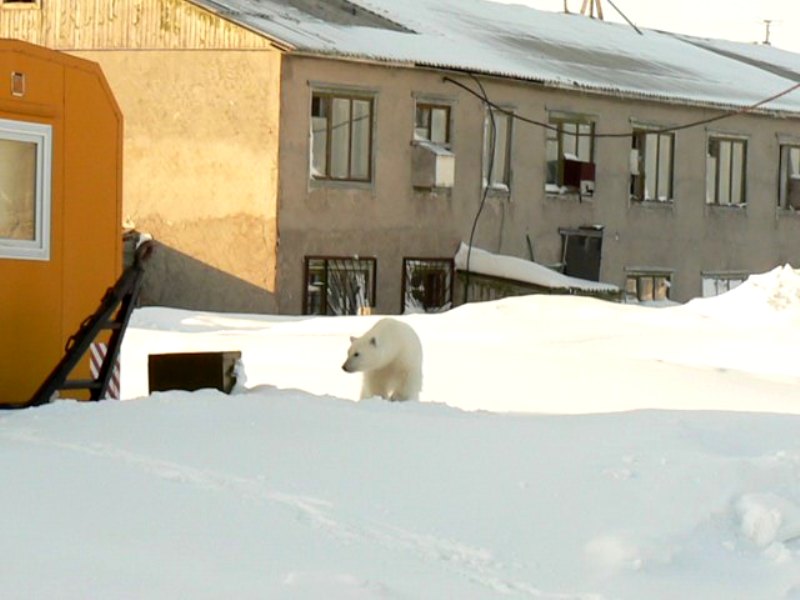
point(588, 9)
point(767, 23)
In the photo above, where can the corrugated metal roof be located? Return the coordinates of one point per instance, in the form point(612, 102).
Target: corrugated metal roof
point(569, 51)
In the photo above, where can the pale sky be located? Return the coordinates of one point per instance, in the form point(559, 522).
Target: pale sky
point(739, 20)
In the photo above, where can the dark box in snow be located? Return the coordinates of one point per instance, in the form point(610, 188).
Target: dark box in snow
point(192, 371)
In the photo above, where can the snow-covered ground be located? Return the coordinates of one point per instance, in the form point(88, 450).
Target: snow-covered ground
point(563, 448)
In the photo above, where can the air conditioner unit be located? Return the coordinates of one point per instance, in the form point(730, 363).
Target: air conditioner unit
point(432, 166)
point(579, 175)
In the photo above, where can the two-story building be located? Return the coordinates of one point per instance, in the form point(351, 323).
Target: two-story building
point(328, 158)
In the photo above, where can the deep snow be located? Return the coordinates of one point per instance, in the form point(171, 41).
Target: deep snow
point(563, 448)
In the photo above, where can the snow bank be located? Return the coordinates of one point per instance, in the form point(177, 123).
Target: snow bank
point(518, 269)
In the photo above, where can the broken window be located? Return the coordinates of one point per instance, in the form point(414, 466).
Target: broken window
point(25, 167)
point(570, 154)
point(339, 286)
point(726, 163)
point(581, 252)
point(647, 286)
point(341, 137)
point(427, 285)
point(789, 190)
point(497, 150)
point(651, 165)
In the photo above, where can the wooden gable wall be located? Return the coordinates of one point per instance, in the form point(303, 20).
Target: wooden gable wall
point(118, 24)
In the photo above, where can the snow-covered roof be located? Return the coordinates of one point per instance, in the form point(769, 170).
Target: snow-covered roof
point(516, 41)
point(518, 269)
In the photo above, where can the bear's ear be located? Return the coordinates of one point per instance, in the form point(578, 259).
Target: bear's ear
point(373, 341)
point(352, 339)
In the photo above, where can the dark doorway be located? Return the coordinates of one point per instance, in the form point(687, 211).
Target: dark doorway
point(581, 250)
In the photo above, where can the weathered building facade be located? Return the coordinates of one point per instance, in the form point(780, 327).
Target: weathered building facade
point(296, 157)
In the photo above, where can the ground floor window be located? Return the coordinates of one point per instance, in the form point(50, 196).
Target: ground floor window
point(25, 171)
point(427, 285)
point(647, 286)
point(715, 284)
point(339, 286)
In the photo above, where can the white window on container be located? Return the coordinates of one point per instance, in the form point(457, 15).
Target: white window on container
point(25, 183)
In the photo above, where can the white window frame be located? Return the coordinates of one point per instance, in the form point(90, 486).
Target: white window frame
point(719, 165)
point(652, 165)
point(716, 283)
point(501, 174)
point(41, 135)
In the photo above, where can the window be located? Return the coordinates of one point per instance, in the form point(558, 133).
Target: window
point(715, 284)
point(25, 167)
point(339, 286)
point(789, 190)
point(497, 150)
point(427, 285)
point(570, 140)
point(19, 3)
point(341, 137)
point(432, 123)
point(650, 286)
point(725, 171)
point(651, 165)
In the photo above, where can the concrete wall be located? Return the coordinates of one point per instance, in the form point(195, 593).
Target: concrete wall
point(201, 171)
point(388, 219)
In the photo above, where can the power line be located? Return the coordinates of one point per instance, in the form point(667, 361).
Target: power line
point(731, 113)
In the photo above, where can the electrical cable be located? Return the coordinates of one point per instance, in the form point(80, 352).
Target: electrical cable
point(489, 173)
point(724, 115)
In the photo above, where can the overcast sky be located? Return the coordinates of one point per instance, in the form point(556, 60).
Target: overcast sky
point(740, 20)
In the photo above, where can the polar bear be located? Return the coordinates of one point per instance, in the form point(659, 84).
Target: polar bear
point(390, 356)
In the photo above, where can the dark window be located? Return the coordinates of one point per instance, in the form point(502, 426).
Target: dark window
point(427, 285)
point(339, 286)
point(651, 165)
point(341, 137)
point(725, 176)
point(789, 190)
point(581, 252)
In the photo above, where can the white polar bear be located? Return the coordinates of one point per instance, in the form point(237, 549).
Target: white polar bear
point(390, 356)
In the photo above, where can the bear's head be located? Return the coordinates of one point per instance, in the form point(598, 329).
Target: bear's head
point(365, 354)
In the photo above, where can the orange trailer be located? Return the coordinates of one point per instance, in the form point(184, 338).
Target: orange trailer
point(60, 207)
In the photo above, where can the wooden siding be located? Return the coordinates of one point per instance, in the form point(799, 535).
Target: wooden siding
point(128, 24)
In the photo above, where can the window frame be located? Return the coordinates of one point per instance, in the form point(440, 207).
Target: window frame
point(328, 96)
point(372, 268)
point(41, 135)
point(447, 265)
point(431, 106)
point(491, 117)
point(716, 141)
point(639, 180)
point(554, 178)
point(637, 275)
point(717, 277)
point(785, 160)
